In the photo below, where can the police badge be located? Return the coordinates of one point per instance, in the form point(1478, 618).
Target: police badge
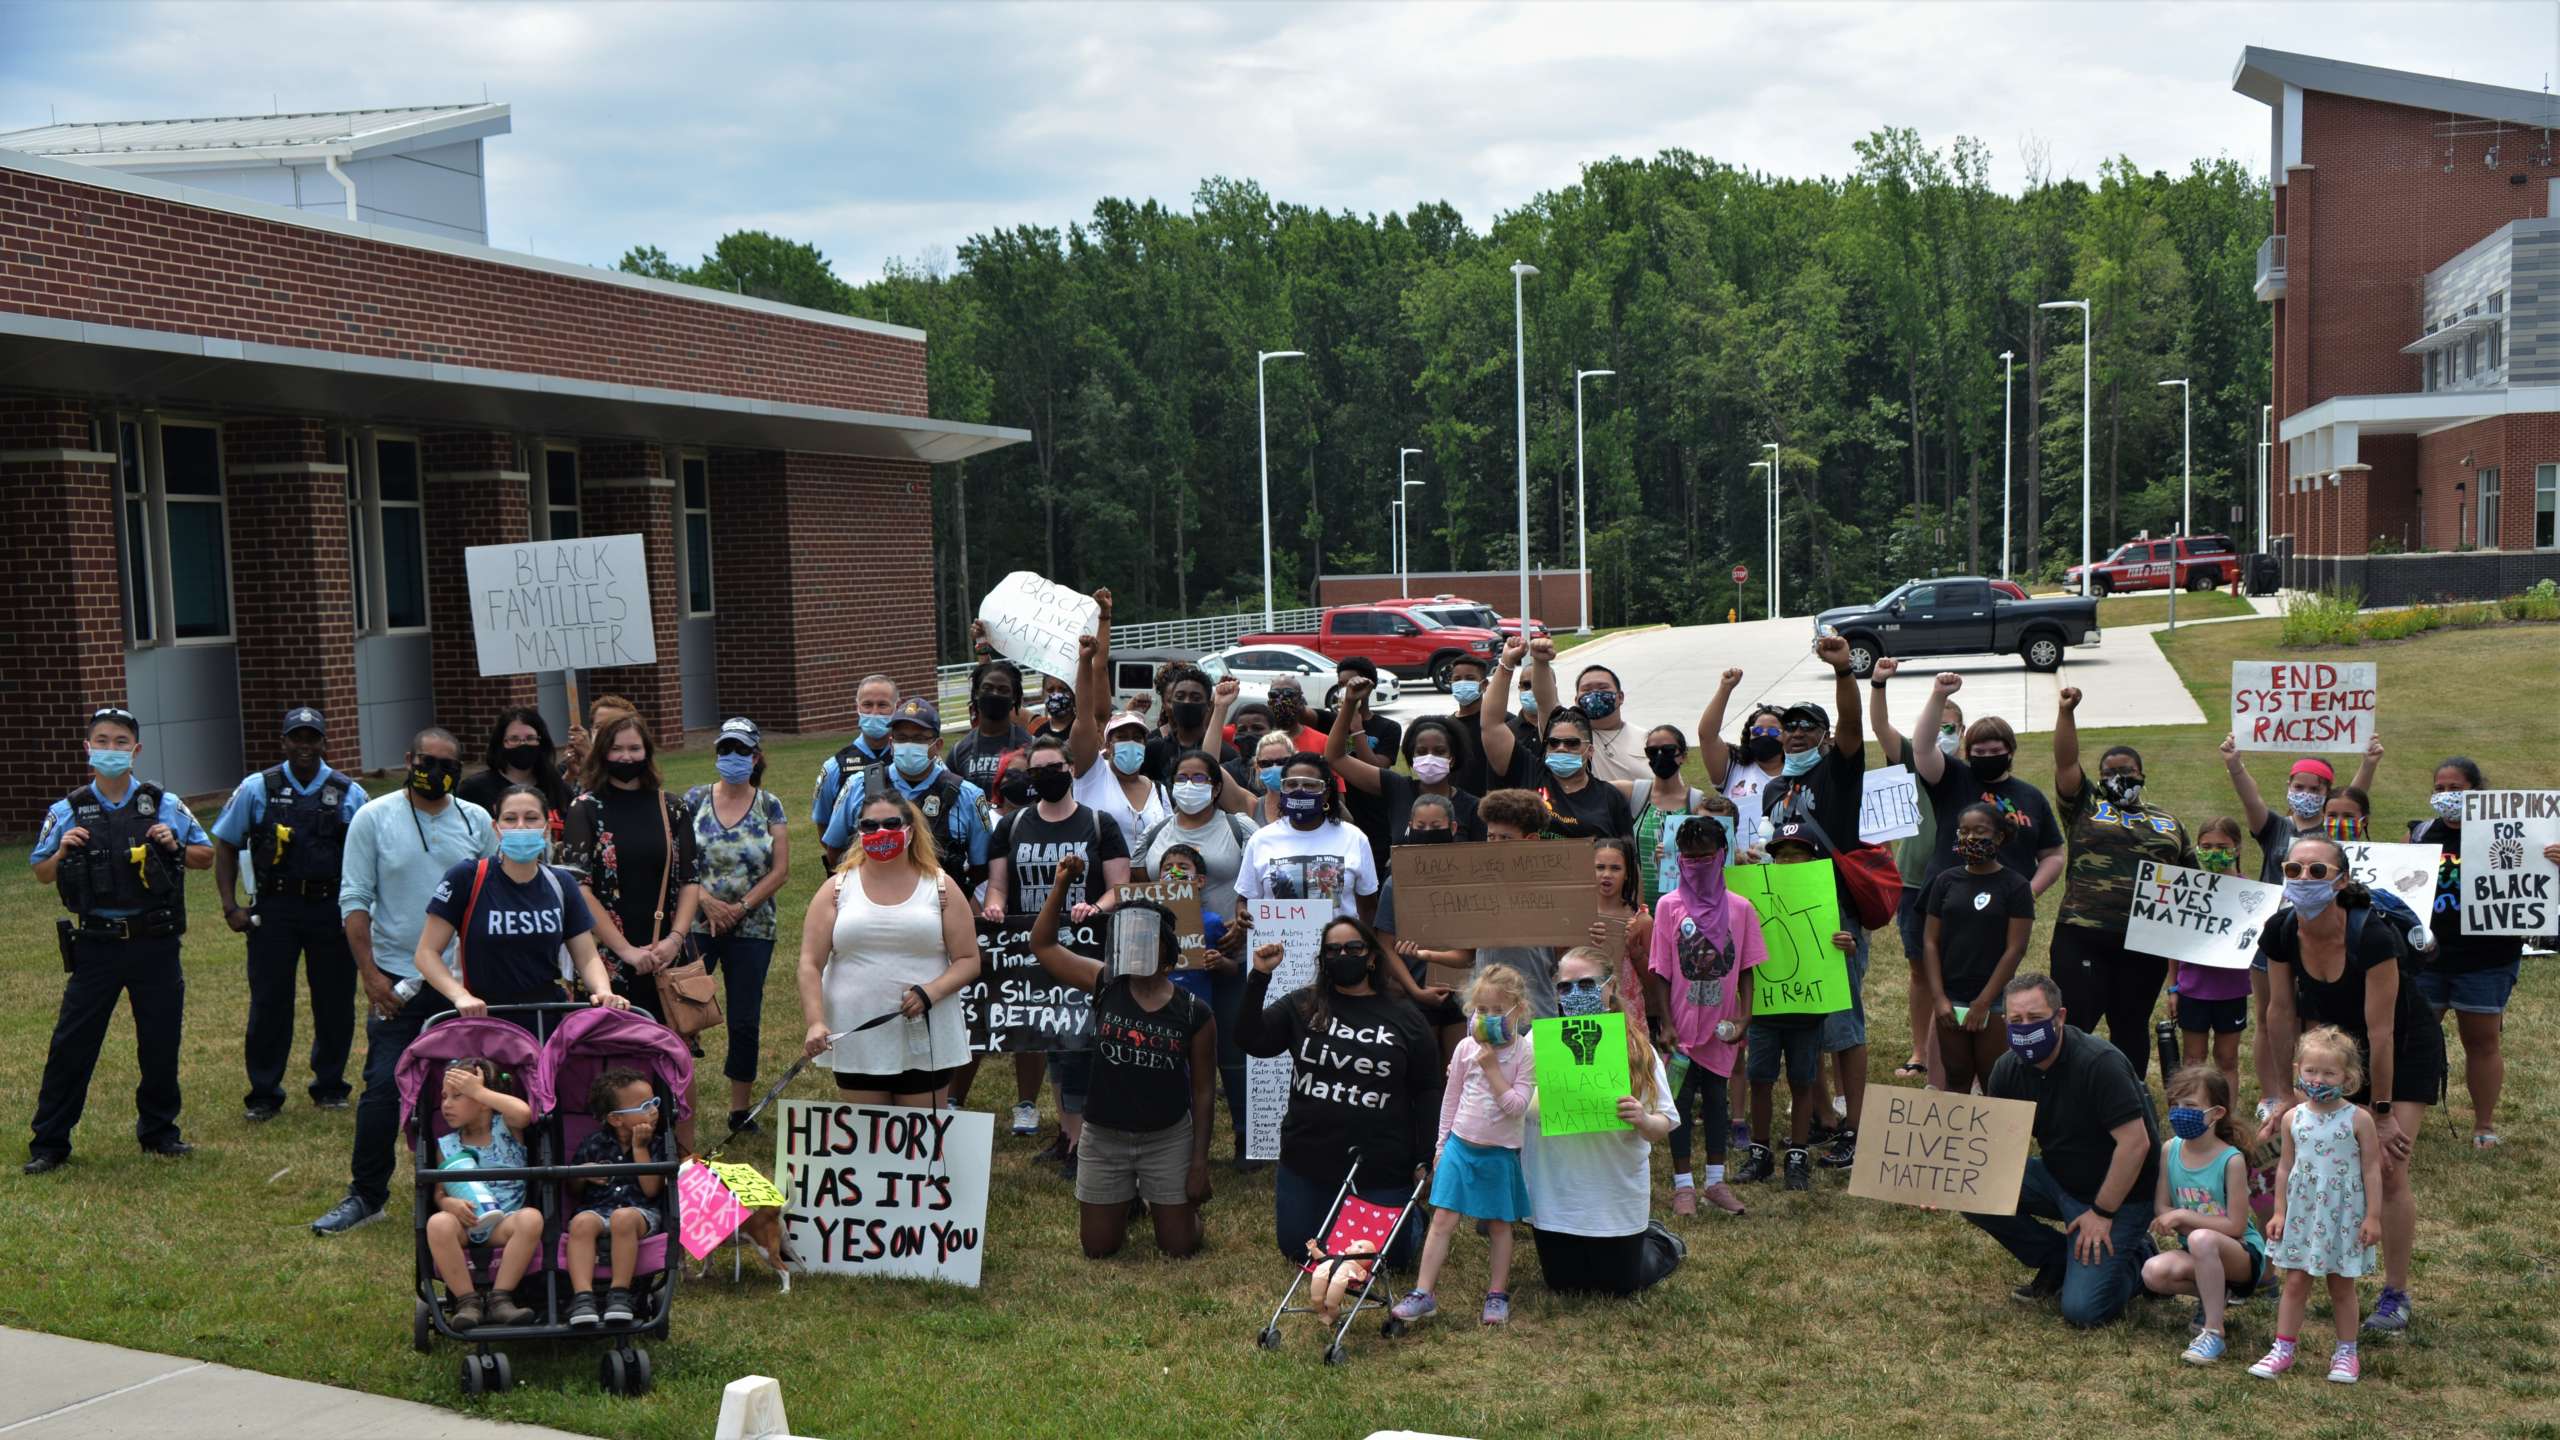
point(932, 807)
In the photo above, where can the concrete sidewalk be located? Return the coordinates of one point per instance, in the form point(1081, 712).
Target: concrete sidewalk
point(57, 1389)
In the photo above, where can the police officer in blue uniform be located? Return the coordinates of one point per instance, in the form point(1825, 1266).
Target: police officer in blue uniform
point(291, 820)
point(117, 849)
point(955, 809)
point(873, 701)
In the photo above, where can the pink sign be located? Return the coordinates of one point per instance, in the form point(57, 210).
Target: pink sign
point(711, 1213)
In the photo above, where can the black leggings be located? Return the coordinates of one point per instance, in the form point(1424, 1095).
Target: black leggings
point(2102, 980)
point(1618, 1265)
point(1702, 1092)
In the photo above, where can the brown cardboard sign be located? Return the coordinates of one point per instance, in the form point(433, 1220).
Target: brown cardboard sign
point(1950, 1152)
point(1184, 901)
point(1511, 892)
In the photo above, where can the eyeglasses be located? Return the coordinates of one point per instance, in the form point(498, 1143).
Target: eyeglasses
point(2310, 870)
point(1587, 985)
point(1565, 742)
point(1301, 785)
point(873, 827)
point(1800, 727)
point(645, 1107)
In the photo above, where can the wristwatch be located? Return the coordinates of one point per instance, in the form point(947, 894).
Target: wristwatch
point(2381, 1107)
point(2103, 1212)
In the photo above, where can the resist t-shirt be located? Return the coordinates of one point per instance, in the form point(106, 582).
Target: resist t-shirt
point(511, 939)
point(1141, 1059)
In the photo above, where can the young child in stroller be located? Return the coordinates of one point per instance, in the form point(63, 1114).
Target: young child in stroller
point(482, 1123)
point(630, 1208)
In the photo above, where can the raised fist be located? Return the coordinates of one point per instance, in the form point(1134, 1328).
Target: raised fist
point(2070, 698)
point(1949, 682)
point(1582, 1037)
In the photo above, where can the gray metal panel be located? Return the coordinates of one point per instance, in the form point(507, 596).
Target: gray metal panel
point(111, 142)
point(188, 699)
point(2262, 75)
point(701, 677)
point(401, 190)
point(395, 695)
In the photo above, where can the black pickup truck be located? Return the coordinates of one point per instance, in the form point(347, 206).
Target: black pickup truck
point(1960, 615)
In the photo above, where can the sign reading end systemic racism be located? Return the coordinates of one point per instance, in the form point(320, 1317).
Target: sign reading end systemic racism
point(1516, 892)
point(1036, 623)
point(560, 604)
point(1950, 1152)
point(2199, 916)
point(2507, 887)
point(885, 1189)
point(2302, 704)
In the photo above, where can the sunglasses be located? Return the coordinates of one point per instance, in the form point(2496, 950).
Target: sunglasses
point(1564, 743)
point(874, 827)
point(2310, 870)
point(1587, 985)
point(645, 1107)
point(1050, 765)
point(733, 747)
point(1762, 732)
point(1348, 947)
point(1801, 727)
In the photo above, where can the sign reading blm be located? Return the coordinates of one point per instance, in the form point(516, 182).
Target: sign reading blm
point(561, 604)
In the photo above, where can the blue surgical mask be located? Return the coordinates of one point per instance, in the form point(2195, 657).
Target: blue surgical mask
point(1599, 704)
point(523, 844)
point(2186, 1121)
point(1128, 755)
point(2034, 1041)
point(1581, 1000)
point(874, 727)
point(2320, 1091)
point(110, 763)
point(2309, 897)
point(912, 757)
point(1269, 775)
point(734, 767)
point(1562, 763)
point(1801, 761)
point(1466, 692)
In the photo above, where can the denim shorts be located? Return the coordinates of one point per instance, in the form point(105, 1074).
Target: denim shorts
point(2471, 992)
point(1800, 1038)
point(1847, 1029)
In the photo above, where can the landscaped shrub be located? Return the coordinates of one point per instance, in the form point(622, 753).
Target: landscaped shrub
point(2320, 617)
point(2325, 618)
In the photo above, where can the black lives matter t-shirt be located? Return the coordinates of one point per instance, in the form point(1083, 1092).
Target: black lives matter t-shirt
point(1141, 1059)
point(1031, 848)
point(1367, 1079)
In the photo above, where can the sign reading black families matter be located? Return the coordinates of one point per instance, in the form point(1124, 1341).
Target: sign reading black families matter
point(547, 605)
point(885, 1189)
point(1014, 1005)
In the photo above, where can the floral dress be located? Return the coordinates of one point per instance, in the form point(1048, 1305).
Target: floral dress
point(733, 859)
point(2325, 1201)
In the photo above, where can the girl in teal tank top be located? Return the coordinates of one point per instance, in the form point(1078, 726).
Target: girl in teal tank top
point(2203, 1200)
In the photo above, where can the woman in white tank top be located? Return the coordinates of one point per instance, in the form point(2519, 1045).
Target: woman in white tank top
point(889, 935)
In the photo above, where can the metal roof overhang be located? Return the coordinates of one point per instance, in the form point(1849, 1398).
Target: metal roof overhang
point(175, 371)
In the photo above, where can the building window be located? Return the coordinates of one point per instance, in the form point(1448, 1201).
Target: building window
point(2471, 358)
point(2546, 506)
point(2488, 510)
point(198, 541)
point(2434, 361)
point(342, 451)
point(398, 492)
point(697, 535)
point(559, 495)
point(133, 536)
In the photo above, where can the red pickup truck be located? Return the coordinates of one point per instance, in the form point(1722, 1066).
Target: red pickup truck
point(1396, 640)
point(2197, 562)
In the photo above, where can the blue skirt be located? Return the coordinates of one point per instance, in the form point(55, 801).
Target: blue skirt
point(1481, 1182)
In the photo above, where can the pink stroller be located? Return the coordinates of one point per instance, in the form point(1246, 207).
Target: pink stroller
point(584, 1046)
point(1358, 1236)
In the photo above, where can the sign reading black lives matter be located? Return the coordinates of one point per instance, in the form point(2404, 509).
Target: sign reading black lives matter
point(1014, 1005)
point(2199, 916)
point(550, 605)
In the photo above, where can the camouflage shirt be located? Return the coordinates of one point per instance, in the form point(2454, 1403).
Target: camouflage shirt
point(2107, 847)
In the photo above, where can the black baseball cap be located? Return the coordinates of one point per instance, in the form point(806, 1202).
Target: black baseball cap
point(1807, 710)
point(304, 717)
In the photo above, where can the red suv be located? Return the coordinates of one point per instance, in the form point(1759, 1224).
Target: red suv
point(2193, 562)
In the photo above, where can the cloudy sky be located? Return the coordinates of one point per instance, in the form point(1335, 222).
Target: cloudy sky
point(883, 130)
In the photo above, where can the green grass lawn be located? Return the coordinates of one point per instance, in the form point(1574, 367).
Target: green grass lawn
point(2154, 609)
point(1815, 1315)
point(1566, 639)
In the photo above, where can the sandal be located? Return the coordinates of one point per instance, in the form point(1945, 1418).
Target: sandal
point(1910, 1069)
point(2485, 1140)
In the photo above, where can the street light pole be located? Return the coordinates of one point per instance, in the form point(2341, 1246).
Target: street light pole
point(1768, 532)
point(2008, 434)
point(1262, 432)
point(2088, 342)
point(1404, 513)
point(1521, 270)
point(1581, 536)
point(2187, 457)
point(1777, 534)
point(2266, 423)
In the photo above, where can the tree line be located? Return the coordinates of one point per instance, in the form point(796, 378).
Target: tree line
point(1855, 322)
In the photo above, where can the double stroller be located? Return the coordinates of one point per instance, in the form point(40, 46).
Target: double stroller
point(551, 1065)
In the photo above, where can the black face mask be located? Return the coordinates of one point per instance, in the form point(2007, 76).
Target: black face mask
point(1060, 704)
point(1052, 782)
point(520, 757)
point(1189, 714)
point(1987, 769)
point(1763, 748)
point(1437, 836)
point(1016, 790)
point(994, 707)
point(626, 769)
point(1344, 966)
point(433, 775)
point(1665, 760)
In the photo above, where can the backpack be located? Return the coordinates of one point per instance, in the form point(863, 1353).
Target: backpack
point(2409, 935)
point(1872, 883)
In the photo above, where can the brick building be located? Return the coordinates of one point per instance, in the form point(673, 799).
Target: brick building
point(245, 442)
point(2415, 273)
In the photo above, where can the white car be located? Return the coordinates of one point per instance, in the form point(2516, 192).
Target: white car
point(1254, 667)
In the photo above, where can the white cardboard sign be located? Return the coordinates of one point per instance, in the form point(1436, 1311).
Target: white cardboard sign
point(2408, 871)
point(885, 1189)
point(1296, 926)
point(1035, 623)
point(547, 605)
point(2303, 704)
point(1890, 808)
point(2507, 887)
point(2198, 916)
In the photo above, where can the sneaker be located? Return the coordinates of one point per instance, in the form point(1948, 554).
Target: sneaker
point(1067, 1167)
point(1843, 1152)
point(466, 1312)
point(348, 1214)
point(1679, 1247)
point(502, 1309)
point(617, 1307)
point(582, 1310)
point(1755, 1167)
point(2346, 1366)
point(2207, 1347)
point(1799, 1169)
point(43, 1164)
point(329, 1102)
point(2390, 1313)
point(2279, 1358)
point(744, 1124)
point(1684, 1199)
point(260, 1114)
point(1721, 1196)
point(2045, 1285)
point(1497, 1311)
point(1026, 1119)
point(1416, 1305)
point(170, 1149)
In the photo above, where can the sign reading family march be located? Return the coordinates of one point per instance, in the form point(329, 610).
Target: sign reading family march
point(885, 1189)
point(2198, 916)
point(561, 604)
point(2302, 704)
point(1799, 905)
point(2507, 887)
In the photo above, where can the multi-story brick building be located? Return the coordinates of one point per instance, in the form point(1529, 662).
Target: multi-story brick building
point(2415, 273)
point(244, 444)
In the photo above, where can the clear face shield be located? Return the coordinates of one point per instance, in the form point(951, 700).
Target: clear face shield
point(1135, 945)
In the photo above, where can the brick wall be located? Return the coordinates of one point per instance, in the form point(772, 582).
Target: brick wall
point(475, 496)
point(61, 624)
point(80, 252)
point(751, 614)
point(291, 585)
point(623, 489)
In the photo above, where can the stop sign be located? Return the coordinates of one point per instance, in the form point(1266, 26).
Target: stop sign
point(1741, 573)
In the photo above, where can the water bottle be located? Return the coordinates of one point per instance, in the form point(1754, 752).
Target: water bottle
point(408, 989)
point(2166, 1033)
point(919, 1042)
point(473, 1193)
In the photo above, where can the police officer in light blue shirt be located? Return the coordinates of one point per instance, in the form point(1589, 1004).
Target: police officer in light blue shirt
point(291, 821)
point(873, 701)
point(397, 851)
point(117, 849)
point(955, 810)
